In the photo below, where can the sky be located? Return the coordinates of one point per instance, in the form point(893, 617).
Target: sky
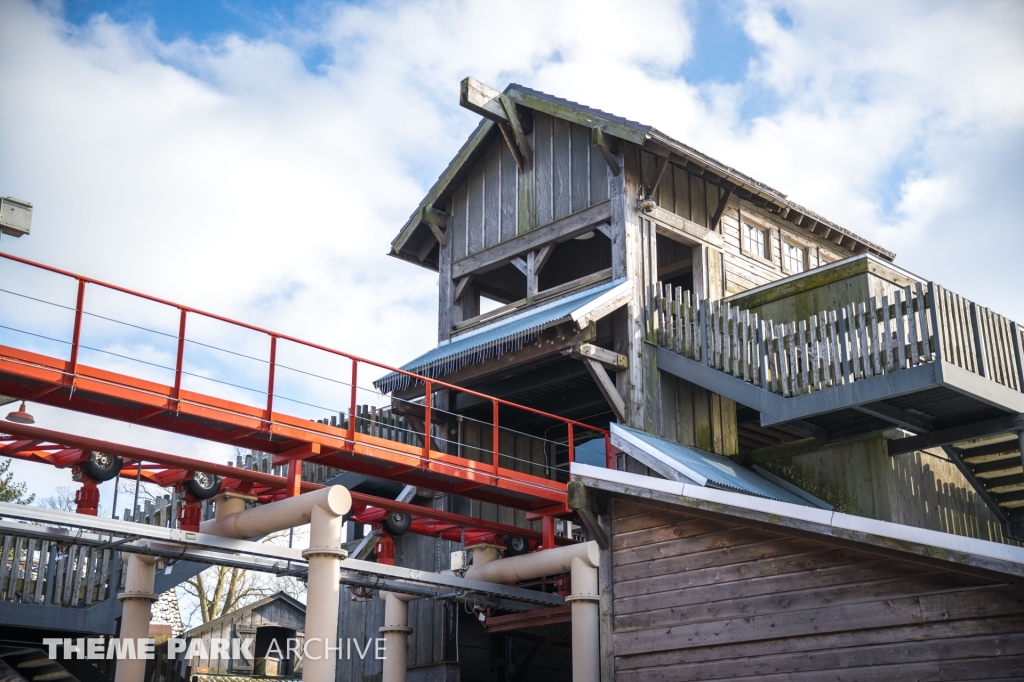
point(255, 159)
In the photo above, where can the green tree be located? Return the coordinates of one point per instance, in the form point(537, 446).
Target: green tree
point(11, 490)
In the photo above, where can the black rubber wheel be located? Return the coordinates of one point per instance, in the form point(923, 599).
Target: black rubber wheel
point(397, 523)
point(515, 545)
point(101, 467)
point(203, 485)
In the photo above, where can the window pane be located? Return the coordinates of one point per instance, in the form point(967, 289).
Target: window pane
point(754, 240)
point(796, 258)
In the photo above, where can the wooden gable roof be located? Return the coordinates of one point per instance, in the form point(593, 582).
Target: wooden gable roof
point(412, 235)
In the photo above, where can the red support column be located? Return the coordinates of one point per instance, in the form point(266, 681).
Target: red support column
point(548, 532)
point(386, 550)
point(294, 478)
point(87, 498)
point(609, 456)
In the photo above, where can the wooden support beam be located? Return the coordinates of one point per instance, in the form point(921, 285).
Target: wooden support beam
point(426, 248)
point(559, 230)
point(517, 130)
point(721, 209)
point(597, 533)
point(659, 173)
point(482, 99)
point(597, 139)
point(916, 422)
point(954, 435)
point(460, 288)
point(607, 388)
point(432, 216)
point(491, 104)
point(520, 264)
point(543, 255)
point(610, 359)
point(510, 141)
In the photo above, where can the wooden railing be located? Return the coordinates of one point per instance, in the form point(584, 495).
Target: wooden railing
point(62, 573)
point(835, 347)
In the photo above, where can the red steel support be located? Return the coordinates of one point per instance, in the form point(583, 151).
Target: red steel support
point(77, 334)
point(179, 362)
point(609, 456)
point(294, 486)
point(494, 437)
point(547, 525)
point(269, 417)
point(87, 498)
point(386, 549)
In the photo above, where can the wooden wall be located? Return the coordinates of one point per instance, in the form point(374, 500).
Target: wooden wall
point(496, 202)
point(690, 196)
point(702, 599)
point(921, 489)
point(695, 416)
point(277, 612)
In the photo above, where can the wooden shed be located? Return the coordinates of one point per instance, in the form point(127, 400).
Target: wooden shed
point(711, 584)
point(275, 619)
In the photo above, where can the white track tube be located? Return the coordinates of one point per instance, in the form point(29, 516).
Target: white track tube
point(396, 635)
point(270, 518)
point(536, 564)
point(324, 556)
point(136, 601)
point(586, 629)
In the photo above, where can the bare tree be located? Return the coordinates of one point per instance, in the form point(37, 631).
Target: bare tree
point(219, 589)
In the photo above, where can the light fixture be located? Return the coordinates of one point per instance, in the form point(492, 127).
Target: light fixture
point(585, 235)
point(648, 204)
point(21, 416)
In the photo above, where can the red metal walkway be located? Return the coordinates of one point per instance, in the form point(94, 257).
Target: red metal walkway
point(66, 383)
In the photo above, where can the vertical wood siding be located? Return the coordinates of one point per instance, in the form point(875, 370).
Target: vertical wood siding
point(568, 176)
point(702, 599)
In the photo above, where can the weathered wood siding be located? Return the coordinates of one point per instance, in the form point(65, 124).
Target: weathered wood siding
point(519, 452)
point(242, 626)
point(695, 416)
point(496, 202)
point(922, 489)
point(701, 599)
point(690, 196)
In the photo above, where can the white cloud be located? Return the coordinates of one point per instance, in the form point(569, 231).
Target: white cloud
point(227, 176)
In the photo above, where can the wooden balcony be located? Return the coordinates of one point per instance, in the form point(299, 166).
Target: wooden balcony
point(919, 357)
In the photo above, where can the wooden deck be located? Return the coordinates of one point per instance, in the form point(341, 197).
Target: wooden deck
point(925, 360)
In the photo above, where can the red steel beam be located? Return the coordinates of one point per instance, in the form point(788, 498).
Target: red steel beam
point(133, 455)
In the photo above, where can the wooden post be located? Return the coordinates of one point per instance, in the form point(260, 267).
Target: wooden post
point(979, 340)
point(936, 350)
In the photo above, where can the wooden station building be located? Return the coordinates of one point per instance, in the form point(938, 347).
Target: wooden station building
point(740, 345)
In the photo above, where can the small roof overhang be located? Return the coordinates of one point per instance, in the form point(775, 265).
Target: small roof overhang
point(509, 333)
point(929, 546)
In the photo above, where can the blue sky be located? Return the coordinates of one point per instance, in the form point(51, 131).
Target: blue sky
point(256, 158)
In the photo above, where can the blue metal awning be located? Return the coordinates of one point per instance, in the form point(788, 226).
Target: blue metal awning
point(493, 340)
point(692, 465)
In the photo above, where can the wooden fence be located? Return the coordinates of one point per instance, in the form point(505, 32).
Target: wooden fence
point(835, 347)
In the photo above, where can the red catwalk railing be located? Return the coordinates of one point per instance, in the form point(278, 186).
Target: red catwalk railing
point(69, 383)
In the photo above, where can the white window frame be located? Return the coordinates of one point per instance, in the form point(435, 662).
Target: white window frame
point(788, 241)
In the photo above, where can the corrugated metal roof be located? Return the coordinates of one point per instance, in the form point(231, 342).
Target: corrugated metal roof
point(702, 467)
point(493, 340)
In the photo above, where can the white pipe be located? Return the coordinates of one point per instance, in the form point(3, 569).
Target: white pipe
point(582, 561)
point(396, 632)
point(136, 601)
point(324, 510)
point(536, 564)
point(586, 626)
point(234, 521)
